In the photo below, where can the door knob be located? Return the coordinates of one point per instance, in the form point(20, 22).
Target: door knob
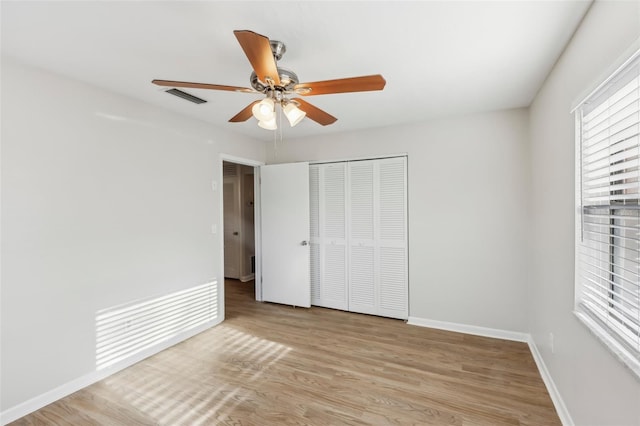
point(304, 243)
point(235, 233)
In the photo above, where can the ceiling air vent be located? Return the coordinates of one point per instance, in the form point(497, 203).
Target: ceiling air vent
point(186, 96)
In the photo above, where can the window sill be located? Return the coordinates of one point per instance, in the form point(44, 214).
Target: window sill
point(621, 353)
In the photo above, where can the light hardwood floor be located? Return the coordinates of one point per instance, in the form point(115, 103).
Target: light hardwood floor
point(276, 365)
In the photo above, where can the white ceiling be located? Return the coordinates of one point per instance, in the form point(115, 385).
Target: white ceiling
point(438, 57)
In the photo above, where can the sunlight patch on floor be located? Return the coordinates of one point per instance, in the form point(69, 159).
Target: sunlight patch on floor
point(197, 402)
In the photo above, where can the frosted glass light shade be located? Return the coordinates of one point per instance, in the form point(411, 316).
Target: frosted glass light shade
point(264, 110)
point(293, 113)
point(268, 124)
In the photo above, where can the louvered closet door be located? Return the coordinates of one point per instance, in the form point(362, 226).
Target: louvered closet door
point(314, 241)
point(362, 253)
point(392, 238)
point(328, 235)
point(359, 236)
point(377, 239)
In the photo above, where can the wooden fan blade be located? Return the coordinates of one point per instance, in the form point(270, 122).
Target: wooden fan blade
point(342, 85)
point(243, 115)
point(258, 51)
point(202, 86)
point(315, 113)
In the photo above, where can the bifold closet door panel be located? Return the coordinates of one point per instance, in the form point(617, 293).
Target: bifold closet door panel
point(328, 230)
point(314, 234)
point(392, 239)
point(362, 264)
point(334, 288)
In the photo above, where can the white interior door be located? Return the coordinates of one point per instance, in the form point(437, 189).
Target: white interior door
point(284, 192)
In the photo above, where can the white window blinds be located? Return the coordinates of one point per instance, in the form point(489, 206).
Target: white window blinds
point(608, 244)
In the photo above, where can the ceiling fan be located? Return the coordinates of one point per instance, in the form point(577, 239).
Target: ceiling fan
point(278, 84)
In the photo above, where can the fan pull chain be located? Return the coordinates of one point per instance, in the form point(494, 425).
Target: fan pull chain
point(278, 112)
point(280, 123)
point(275, 143)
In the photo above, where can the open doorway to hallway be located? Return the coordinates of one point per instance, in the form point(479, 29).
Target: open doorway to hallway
point(239, 223)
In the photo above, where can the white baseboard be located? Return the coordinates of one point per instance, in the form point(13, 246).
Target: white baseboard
point(246, 278)
point(561, 408)
point(14, 413)
point(470, 329)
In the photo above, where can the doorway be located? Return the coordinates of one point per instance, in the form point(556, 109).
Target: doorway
point(255, 261)
point(238, 196)
point(296, 236)
point(239, 221)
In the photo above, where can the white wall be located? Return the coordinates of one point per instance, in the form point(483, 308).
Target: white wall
point(105, 200)
point(468, 211)
point(596, 388)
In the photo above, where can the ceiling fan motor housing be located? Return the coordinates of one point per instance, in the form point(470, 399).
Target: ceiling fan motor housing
point(288, 79)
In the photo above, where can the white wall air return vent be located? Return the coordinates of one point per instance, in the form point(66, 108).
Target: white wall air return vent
point(186, 96)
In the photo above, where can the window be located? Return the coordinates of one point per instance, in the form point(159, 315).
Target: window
point(608, 196)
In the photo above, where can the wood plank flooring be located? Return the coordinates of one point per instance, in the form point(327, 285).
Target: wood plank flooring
point(269, 364)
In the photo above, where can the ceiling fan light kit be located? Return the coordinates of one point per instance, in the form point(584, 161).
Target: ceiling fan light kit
point(268, 124)
point(278, 83)
point(293, 113)
point(264, 110)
